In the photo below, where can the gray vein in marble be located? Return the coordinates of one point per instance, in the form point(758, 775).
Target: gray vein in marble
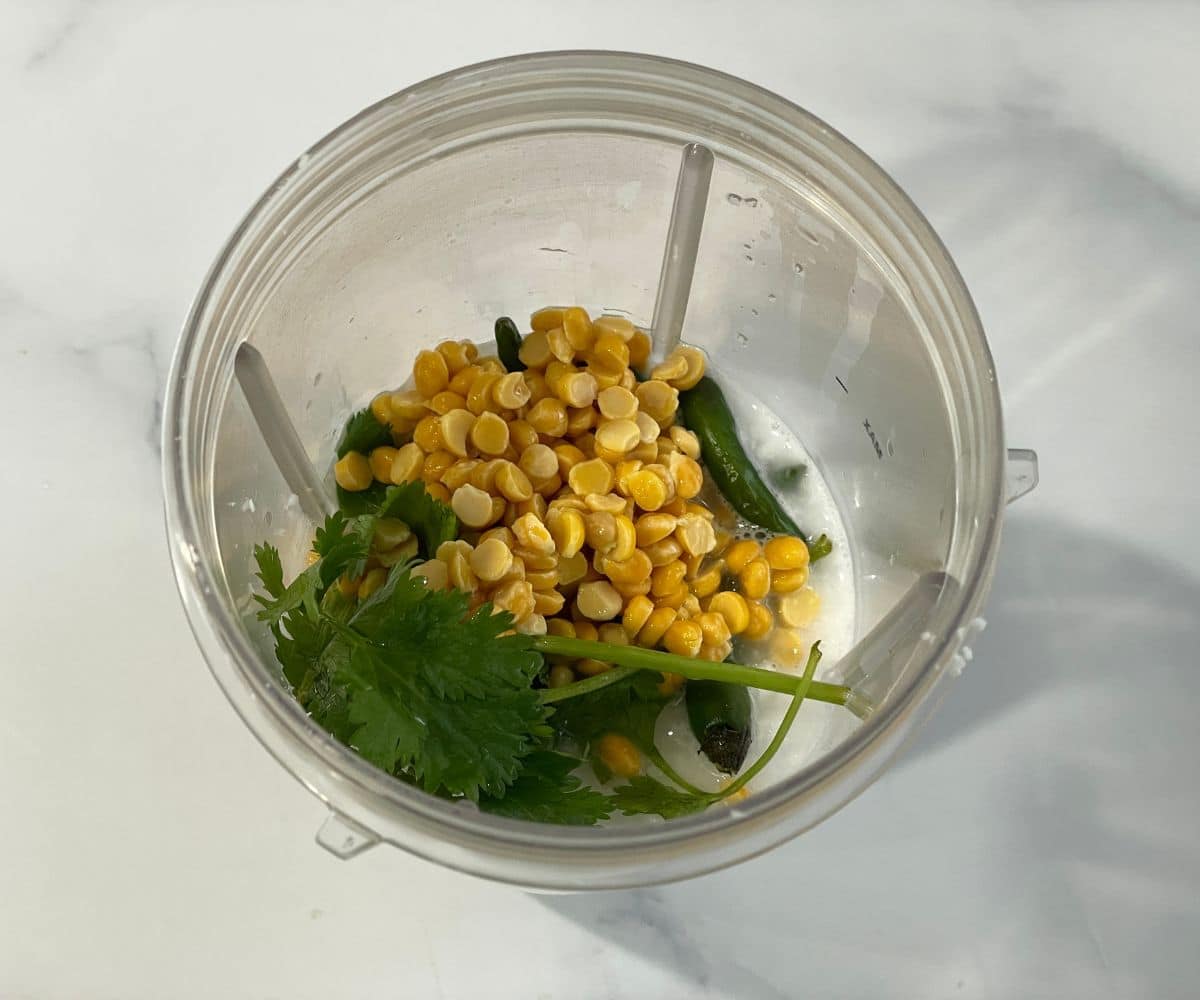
point(117, 361)
point(61, 33)
point(431, 956)
point(645, 921)
point(1066, 215)
point(1023, 119)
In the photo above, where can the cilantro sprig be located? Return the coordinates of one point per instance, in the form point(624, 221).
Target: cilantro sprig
point(438, 694)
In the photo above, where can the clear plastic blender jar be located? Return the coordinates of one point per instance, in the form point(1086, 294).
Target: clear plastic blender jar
point(500, 188)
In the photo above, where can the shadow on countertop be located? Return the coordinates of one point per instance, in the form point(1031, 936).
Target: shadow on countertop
point(1072, 613)
point(1091, 852)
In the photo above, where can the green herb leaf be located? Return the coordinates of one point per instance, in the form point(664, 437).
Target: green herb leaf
point(323, 697)
point(546, 791)
point(291, 613)
point(343, 545)
point(436, 692)
point(630, 707)
point(270, 569)
point(299, 643)
point(409, 679)
point(645, 795)
point(432, 521)
point(302, 591)
point(385, 732)
point(363, 433)
point(358, 502)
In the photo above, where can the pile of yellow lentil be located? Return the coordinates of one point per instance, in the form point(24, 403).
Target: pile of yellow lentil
point(579, 497)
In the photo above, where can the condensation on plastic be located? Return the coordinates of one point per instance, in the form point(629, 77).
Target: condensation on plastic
point(549, 179)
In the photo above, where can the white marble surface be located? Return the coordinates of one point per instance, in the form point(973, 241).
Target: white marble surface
point(1039, 840)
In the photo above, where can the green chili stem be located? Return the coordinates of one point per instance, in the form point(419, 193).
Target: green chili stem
point(637, 658)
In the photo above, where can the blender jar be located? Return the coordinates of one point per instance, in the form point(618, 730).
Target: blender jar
point(544, 179)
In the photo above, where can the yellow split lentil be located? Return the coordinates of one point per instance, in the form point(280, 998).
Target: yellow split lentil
point(582, 501)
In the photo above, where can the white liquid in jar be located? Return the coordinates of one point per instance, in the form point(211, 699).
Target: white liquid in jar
point(818, 726)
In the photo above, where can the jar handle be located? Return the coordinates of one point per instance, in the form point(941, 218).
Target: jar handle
point(1021, 473)
point(343, 838)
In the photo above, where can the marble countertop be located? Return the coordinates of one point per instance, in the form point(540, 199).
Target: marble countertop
point(1039, 839)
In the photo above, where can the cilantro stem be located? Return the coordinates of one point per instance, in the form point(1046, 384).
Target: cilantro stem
point(547, 696)
point(802, 690)
point(637, 658)
point(660, 762)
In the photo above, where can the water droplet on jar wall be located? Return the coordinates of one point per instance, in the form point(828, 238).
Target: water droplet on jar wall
point(733, 199)
point(742, 340)
point(770, 296)
point(798, 267)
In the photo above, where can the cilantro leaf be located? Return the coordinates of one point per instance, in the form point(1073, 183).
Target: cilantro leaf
point(301, 591)
point(325, 698)
point(300, 638)
point(270, 569)
point(432, 521)
point(363, 433)
point(343, 544)
point(547, 792)
point(437, 693)
point(644, 795)
point(405, 617)
point(408, 678)
point(291, 612)
point(299, 642)
point(384, 733)
point(630, 707)
point(356, 503)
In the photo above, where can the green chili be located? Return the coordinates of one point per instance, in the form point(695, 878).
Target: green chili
point(707, 414)
point(508, 344)
point(720, 716)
